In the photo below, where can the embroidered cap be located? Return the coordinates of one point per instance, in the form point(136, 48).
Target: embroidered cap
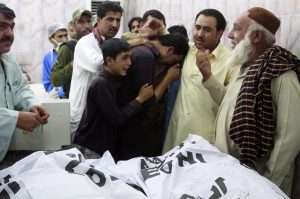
point(265, 18)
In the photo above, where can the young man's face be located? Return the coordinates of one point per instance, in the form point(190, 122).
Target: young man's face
point(167, 56)
point(120, 65)
point(83, 26)
point(109, 25)
point(6, 33)
point(206, 35)
point(136, 26)
point(59, 36)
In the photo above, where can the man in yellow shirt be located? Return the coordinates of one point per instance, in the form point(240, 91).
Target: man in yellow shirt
point(194, 110)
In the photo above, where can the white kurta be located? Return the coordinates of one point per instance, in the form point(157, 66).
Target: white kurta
point(278, 166)
point(88, 60)
point(194, 110)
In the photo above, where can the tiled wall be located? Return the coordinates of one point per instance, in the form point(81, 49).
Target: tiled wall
point(33, 16)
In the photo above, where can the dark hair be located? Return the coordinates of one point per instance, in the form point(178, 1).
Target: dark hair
point(139, 19)
point(221, 22)
point(178, 41)
point(112, 47)
point(154, 13)
point(108, 6)
point(178, 29)
point(7, 12)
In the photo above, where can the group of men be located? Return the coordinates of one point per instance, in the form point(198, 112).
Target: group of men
point(245, 102)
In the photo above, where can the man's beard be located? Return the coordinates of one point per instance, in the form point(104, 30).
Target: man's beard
point(241, 54)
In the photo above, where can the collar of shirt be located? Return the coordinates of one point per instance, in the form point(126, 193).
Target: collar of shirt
point(115, 79)
point(98, 36)
point(154, 51)
point(242, 71)
point(217, 53)
point(53, 55)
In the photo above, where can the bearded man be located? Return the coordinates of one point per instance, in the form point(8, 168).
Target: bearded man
point(257, 118)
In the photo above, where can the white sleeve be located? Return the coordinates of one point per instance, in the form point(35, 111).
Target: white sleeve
point(88, 55)
point(286, 99)
point(8, 122)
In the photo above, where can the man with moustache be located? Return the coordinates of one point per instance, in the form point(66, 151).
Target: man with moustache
point(18, 105)
point(88, 58)
point(135, 24)
point(257, 121)
point(194, 110)
point(61, 73)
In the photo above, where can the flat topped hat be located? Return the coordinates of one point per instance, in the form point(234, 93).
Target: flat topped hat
point(265, 18)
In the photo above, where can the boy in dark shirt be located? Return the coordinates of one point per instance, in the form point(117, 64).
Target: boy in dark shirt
point(102, 117)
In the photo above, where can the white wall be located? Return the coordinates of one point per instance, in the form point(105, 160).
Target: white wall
point(33, 16)
point(185, 11)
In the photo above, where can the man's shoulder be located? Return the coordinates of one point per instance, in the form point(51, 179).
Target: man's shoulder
point(144, 52)
point(87, 39)
point(69, 45)
point(48, 54)
point(288, 76)
point(87, 42)
point(8, 58)
point(98, 81)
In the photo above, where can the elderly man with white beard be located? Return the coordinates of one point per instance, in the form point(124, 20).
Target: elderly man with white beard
point(257, 121)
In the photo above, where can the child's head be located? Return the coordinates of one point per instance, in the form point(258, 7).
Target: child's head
point(116, 55)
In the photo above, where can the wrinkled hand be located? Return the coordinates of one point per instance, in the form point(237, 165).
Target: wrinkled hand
point(173, 73)
point(41, 112)
point(145, 93)
point(203, 64)
point(152, 27)
point(28, 121)
point(147, 42)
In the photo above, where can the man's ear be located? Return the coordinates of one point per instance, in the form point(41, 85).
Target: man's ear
point(219, 34)
point(109, 61)
point(98, 19)
point(170, 49)
point(51, 41)
point(257, 36)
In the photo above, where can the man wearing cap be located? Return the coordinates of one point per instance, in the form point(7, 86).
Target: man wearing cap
point(88, 59)
point(18, 105)
point(62, 70)
point(257, 121)
point(57, 34)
